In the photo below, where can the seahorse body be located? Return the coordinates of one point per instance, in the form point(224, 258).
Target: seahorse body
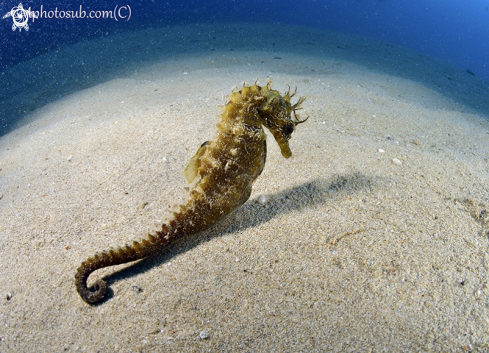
point(222, 173)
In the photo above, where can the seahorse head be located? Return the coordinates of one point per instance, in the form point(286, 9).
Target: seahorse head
point(279, 116)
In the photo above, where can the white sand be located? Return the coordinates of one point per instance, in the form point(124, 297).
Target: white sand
point(350, 252)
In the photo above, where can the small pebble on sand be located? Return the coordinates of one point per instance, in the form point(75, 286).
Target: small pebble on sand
point(204, 335)
point(396, 161)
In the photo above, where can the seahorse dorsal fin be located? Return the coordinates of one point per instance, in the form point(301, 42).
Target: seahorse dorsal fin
point(193, 165)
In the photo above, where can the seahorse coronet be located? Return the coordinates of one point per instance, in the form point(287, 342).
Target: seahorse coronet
point(221, 175)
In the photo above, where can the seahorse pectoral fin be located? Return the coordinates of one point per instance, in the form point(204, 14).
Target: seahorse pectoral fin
point(192, 167)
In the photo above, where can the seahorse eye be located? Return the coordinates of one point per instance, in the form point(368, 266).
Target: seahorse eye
point(288, 129)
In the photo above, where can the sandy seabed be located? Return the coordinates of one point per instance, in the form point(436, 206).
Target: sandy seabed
point(373, 237)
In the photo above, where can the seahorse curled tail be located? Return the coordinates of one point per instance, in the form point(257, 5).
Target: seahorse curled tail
point(128, 253)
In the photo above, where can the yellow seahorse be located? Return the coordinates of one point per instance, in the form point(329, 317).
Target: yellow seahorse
point(222, 173)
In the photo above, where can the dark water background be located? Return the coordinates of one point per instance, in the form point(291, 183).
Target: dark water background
point(455, 31)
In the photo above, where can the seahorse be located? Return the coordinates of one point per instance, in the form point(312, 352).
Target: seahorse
point(221, 175)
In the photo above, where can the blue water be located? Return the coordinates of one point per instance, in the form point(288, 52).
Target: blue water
point(454, 31)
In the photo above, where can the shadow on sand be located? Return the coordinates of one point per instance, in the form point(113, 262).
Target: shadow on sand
point(253, 214)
